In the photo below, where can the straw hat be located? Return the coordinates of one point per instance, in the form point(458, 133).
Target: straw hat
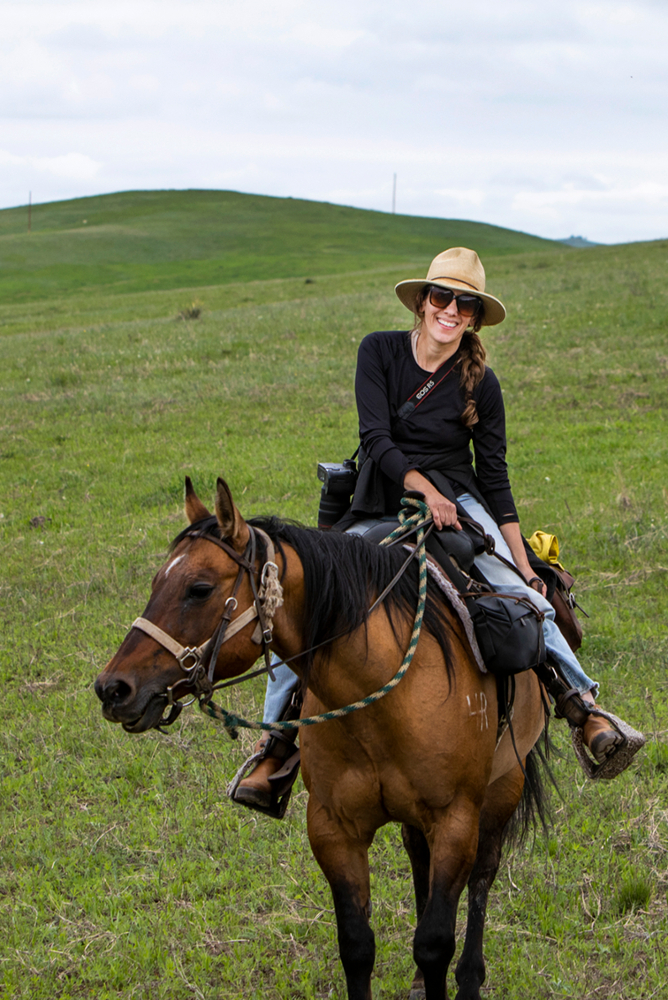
point(459, 269)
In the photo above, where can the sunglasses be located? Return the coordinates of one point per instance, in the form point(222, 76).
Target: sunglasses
point(440, 298)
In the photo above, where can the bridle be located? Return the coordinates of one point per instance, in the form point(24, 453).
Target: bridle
point(266, 599)
point(199, 662)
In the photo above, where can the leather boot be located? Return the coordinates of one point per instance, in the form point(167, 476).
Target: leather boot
point(267, 788)
point(601, 737)
point(258, 779)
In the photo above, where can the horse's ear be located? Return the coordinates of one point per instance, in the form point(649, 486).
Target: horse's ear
point(195, 509)
point(232, 525)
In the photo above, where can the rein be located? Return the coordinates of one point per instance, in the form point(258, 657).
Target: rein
point(194, 660)
point(409, 523)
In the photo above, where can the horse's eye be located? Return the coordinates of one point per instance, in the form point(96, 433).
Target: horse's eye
point(199, 591)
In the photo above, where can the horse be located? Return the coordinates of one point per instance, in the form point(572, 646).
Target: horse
point(427, 755)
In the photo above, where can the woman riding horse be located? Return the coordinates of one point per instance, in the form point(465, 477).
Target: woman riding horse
point(428, 755)
point(423, 397)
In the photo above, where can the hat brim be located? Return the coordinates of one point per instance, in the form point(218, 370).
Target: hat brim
point(408, 291)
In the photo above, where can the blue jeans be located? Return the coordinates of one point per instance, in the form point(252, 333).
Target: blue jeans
point(279, 691)
point(505, 581)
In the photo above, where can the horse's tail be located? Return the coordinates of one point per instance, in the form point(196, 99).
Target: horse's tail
point(533, 809)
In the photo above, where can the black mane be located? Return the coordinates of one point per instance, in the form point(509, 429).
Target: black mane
point(343, 575)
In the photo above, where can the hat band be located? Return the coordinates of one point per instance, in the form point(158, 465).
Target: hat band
point(448, 277)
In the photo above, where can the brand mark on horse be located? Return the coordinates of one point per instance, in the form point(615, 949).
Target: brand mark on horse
point(481, 700)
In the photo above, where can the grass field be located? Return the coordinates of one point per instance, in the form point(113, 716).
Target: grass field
point(124, 871)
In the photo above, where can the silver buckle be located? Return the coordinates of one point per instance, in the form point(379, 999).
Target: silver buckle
point(192, 653)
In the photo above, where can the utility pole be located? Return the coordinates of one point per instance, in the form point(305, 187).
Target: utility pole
point(29, 211)
point(394, 195)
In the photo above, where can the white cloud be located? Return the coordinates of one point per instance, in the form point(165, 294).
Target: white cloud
point(649, 193)
point(646, 200)
point(470, 196)
point(71, 166)
point(322, 37)
point(547, 118)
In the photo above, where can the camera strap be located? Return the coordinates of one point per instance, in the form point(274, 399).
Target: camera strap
point(427, 387)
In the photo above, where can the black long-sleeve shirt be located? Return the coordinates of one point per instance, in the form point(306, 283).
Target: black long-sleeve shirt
point(433, 435)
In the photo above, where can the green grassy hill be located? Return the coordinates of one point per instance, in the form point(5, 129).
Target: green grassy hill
point(124, 870)
point(141, 240)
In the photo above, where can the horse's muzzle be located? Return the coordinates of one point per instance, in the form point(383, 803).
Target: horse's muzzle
point(121, 704)
point(151, 717)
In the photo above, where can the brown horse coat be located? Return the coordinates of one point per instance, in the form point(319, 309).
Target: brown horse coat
point(425, 755)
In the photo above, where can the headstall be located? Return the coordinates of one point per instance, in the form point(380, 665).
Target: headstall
point(193, 660)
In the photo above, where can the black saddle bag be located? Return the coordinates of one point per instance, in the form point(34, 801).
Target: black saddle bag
point(509, 631)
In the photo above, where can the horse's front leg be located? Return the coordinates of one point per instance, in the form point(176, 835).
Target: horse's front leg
point(345, 863)
point(417, 849)
point(453, 842)
point(500, 803)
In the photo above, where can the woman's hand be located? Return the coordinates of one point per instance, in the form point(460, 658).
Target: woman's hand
point(442, 510)
point(515, 542)
point(536, 583)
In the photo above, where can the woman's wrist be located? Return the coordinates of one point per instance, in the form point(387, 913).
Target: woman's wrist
point(443, 511)
point(413, 480)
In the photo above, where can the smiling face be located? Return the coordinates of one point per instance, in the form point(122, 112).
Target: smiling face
point(444, 328)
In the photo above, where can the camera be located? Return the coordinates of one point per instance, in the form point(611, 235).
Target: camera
point(338, 479)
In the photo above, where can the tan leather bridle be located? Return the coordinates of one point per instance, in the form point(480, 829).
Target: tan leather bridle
point(193, 659)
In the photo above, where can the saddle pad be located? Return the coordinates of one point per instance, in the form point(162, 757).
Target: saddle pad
point(450, 591)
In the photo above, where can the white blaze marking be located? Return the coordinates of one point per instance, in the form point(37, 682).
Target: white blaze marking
point(480, 709)
point(173, 563)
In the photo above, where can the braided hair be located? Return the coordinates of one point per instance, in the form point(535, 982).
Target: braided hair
point(472, 353)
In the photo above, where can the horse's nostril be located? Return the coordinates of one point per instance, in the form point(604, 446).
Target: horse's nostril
point(112, 690)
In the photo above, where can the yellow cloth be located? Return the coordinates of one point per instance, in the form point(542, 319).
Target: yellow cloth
point(546, 547)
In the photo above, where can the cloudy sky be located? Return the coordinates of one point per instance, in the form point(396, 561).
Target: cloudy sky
point(549, 117)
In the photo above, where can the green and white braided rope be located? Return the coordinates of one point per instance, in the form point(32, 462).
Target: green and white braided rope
point(408, 521)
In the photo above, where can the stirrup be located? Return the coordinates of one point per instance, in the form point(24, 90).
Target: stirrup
point(281, 788)
point(620, 757)
point(281, 745)
point(569, 705)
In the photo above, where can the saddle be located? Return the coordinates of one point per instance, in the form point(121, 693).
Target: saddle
point(456, 549)
point(455, 552)
point(508, 627)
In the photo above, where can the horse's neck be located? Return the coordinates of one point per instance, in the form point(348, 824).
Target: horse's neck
point(335, 668)
point(289, 618)
point(349, 668)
